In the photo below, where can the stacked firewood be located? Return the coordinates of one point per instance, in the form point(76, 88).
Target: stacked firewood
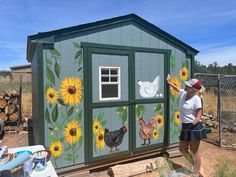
point(9, 105)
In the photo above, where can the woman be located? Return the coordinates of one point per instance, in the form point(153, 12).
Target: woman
point(190, 108)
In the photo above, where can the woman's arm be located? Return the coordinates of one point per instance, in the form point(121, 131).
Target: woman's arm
point(172, 85)
point(198, 116)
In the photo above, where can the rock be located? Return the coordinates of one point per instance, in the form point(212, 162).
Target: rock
point(232, 130)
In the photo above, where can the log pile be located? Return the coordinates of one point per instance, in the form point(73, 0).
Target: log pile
point(9, 105)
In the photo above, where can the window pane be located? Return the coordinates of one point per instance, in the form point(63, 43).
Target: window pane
point(105, 71)
point(110, 91)
point(114, 79)
point(105, 79)
point(114, 71)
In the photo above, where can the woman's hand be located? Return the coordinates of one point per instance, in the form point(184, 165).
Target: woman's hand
point(195, 121)
point(168, 79)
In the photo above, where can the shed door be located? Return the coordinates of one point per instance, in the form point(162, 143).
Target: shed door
point(150, 99)
point(124, 100)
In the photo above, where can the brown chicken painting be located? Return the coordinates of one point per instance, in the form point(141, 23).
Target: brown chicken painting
point(145, 131)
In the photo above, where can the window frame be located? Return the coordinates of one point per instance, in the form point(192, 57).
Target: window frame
point(118, 75)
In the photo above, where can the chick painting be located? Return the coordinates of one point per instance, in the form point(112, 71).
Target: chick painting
point(149, 89)
point(114, 138)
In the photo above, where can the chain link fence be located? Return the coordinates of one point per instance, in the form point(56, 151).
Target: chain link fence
point(15, 100)
point(219, 108)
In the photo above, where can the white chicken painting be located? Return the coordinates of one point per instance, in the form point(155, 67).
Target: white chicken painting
point(150, 89)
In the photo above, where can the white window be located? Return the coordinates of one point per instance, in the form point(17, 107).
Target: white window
point(109, 83)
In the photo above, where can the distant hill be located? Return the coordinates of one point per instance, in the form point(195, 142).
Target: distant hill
point(214, 68)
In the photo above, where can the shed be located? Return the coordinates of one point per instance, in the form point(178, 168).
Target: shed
point(100, 93)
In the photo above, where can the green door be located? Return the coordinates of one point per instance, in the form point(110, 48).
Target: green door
point(125, 96)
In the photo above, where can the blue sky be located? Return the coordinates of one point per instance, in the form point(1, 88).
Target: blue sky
point(207, 25)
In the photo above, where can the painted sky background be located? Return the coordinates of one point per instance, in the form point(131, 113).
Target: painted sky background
point(207, 25)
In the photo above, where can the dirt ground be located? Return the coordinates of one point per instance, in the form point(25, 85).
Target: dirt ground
point(212, 155)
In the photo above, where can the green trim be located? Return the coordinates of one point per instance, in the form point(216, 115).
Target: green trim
point(40, 64)
point(167, 103)
point(107, 22)
point(110, 104)
point(86, 102)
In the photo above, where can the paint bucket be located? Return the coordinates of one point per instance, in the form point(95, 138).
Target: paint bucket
point(40, 161)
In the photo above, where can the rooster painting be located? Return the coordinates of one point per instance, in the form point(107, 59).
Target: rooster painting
point(114, 138)
point(145, 130)
point(149, 89)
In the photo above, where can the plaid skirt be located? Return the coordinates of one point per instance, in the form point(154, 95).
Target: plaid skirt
point(192, 132)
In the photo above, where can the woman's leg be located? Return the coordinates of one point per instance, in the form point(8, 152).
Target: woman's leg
point(194, 147)
point(183, 148)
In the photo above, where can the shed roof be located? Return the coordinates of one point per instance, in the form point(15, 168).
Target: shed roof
point(103, 23)
point(20, 67)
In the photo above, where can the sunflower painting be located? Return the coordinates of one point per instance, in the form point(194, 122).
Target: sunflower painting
point(174, 80)
point(56, 149)
point(155, 134)
point(71, 90)
point(177, 118)
point(51, 95)
point(184, 73)
point(72, 132)
point(96, 126)
point(100, 139)
point(160, 120)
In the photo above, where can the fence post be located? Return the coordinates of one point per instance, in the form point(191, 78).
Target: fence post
point(219, 111)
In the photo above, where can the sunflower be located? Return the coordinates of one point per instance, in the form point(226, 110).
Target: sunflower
point(51, 95)
point(175, 82)
point(72, 132)
point(183, 73)
point(56, 148)
point(160, 120)
point(177, 118)
point(100, 139)
point(155, 134)
point(96, 126)
point(71, 90)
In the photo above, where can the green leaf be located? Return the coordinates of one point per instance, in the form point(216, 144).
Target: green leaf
point(55, 113)
point(80, 59)
point(100, 116)
point(55, 53)
point(77, 45)
point(69, 158)
point(142, 108)
point(178, 100)
point(103, 123)
point(120, 109)
point(172, 63)
point(79, 115)
point(124, 116)
point(67, 148)
point(80, 141)
point(137, 111)
point(51, 138)
point(50, 75)
point(62, 139)
point(70, 112)
point(188, 63)
point(61, 102)
point(157, 108)
point(78, 53)
point(57, 70)
point(80, 68)
point(183, 64)
point(47, 116)
point(49, 62)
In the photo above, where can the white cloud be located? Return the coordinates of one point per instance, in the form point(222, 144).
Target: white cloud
point(221, 55)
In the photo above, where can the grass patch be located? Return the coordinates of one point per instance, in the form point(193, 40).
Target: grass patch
point(225, 169)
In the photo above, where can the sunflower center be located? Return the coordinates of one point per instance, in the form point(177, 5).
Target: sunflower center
point(96, 126)
point(72, 89)
point(155, 133)
point(159, 120)
point(183, 73)
point(177, 116)
point(51, 95)
point(56, 148)
point(73, 131)
point(100, 137)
